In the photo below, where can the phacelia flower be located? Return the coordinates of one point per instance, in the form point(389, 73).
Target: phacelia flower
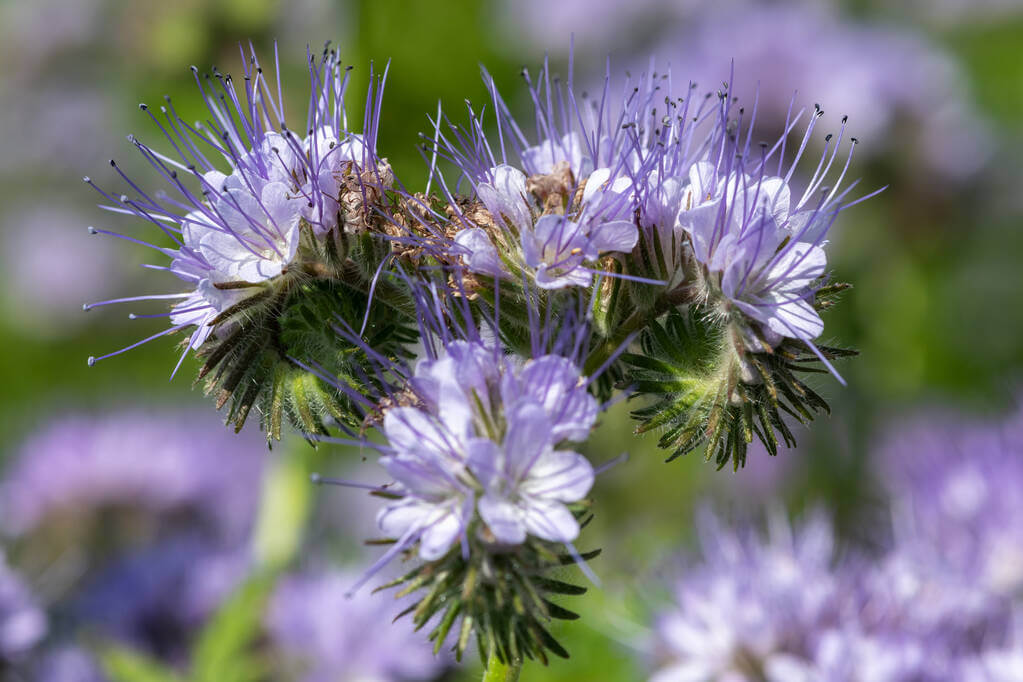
point(548, 212)
point(765, 260)
point(485, 439)
point(485, 488)
point(234, 230)
point(264, 224)
point(554, 248)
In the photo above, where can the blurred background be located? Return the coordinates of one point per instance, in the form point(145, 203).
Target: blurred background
point(143, 541)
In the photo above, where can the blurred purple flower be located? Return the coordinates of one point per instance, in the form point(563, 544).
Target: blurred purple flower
point(158, 462)
point(22, 621)
point(790, 609)
point(157, 596)
point(892, 83)
point(35, 32)
point(333, 636)
point(956, 486)
point(751, 605)
point(69, 664)
point(62, 128)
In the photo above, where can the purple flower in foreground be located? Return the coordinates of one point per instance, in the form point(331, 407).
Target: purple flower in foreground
point(487, 430)
point(332, 635)
point(22, 621)
point(236, 224)
point(760, 247)
point(159, 463)
point(548, 211)
point(554, 248)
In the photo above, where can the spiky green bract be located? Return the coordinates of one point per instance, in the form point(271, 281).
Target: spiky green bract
point(253, 358)
point(704, 387)
point(503, 596)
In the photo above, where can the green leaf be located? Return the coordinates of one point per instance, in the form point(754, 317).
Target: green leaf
point(122, 664)
point(225, 651)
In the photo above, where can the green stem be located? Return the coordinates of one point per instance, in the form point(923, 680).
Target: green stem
point(632, 324)
point(498, 671)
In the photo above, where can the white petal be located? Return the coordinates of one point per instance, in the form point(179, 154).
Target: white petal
point(553, 381)
point(618, 235)
point(438, 538)
point(577, 277)
point(550, 520)
point(528, 436)
point(409, 429)
point(595, 184)
point(481, 255)
point(503, 519)
point(798, 266)
point(795, 319)
point(560, 475)
point(506, 196)
point(396, 518)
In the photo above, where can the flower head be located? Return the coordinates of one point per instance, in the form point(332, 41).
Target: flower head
point(484, 439)
point(266, 224)
point(550, 211)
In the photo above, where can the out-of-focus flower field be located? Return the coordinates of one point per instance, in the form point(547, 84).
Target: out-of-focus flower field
point(140, 540)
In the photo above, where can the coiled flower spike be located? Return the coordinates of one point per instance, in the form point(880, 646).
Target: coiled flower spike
point(273, 233)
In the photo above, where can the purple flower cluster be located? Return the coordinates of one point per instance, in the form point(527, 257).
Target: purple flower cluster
point(174, 496)
point(236, 231)
point(321, 629)
point(943, 602)
point(479, 452)
point(552, 248)
point(657, 184)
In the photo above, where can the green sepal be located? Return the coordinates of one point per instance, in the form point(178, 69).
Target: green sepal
point(503, 595)
point(704, 388)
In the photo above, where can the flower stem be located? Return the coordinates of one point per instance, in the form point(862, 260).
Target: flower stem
point(498, 671)
point(634, 323)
